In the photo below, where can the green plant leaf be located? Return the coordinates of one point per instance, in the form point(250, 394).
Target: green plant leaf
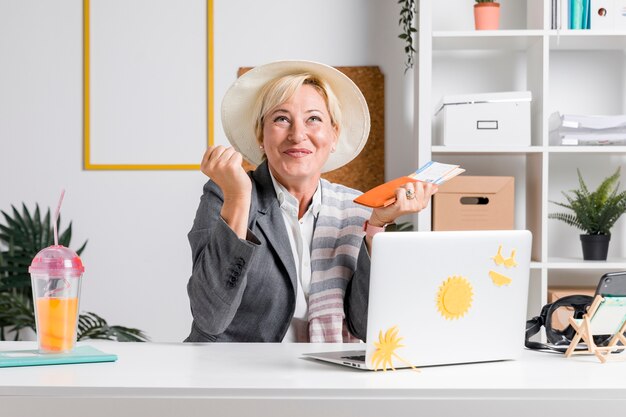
point(25, 235)
point(92, 326)
point(37, 227)
point(18, 219)
point(593, 212)
point(66, 236)
point(407, 13)
point(82, 248)
point(28, 222)
point(45, 230)
point(16, 313)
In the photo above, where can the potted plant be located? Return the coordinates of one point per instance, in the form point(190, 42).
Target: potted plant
point(23, 236)
point(595, 213)
point(486, 15)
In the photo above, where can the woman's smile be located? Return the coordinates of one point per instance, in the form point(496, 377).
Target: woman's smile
point(298, 152)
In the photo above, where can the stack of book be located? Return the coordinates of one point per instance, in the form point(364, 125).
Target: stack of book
point(577, 130)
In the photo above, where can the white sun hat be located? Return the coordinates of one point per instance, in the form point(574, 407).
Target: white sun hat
point(238, 116)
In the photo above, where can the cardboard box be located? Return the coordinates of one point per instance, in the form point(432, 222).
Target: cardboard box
point(560, 317)
point(475, 203)
point(491, 119)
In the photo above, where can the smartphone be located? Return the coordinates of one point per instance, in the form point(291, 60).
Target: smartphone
point(612, 284)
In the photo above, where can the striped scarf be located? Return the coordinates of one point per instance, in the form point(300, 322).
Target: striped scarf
point(337, 239)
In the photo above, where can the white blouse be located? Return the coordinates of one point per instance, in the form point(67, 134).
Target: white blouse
point(300, 234)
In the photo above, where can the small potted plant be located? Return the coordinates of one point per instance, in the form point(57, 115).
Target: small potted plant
point(595, 213)
point(487, 15)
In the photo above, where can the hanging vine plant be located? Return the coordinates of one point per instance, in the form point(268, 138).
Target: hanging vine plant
point(407, 14)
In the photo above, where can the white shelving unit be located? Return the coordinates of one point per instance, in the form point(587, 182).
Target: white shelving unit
point(579, 72)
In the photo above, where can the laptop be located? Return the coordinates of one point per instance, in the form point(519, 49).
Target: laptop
point(441, 298)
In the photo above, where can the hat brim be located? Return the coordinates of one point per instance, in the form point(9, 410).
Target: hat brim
point(238, 104)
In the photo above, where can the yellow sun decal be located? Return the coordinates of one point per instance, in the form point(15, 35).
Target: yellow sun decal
point(455, 297)
point(499, 279)
point(386, 350)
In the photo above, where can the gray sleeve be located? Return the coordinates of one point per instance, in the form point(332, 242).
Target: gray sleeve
point(357, 296)
point(220, 265)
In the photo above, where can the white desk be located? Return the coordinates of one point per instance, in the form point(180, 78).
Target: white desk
point(186, 380)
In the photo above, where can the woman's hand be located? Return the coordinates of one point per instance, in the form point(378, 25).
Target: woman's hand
point(223, 165)
point(412, 197)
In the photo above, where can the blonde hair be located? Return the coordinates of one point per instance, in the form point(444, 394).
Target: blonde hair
point(282, 89)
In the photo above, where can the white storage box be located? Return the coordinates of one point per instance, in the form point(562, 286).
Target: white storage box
point(608, 15)
point(491, 119)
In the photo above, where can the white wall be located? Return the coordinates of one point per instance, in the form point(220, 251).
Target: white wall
point(137, 259)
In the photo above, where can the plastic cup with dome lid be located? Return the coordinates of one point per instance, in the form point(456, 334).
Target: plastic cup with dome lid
point(56, 274)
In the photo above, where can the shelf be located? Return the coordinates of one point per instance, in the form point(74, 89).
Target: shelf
point(582, 40)
point(588, 149)
point(486, 39)
point(577, 263)
point(587, 40)
point(470, 149)
point(576, 71)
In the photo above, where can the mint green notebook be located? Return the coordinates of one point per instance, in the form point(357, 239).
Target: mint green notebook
point(80, 354)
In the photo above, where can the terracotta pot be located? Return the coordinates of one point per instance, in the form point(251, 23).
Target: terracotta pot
point(487, 16)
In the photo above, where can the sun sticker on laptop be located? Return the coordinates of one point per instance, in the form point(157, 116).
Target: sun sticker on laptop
point(455, 297)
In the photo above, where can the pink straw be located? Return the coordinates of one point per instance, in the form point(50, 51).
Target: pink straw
point(56, 218)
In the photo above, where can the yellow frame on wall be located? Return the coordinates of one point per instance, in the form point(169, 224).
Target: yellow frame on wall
point(86, 101)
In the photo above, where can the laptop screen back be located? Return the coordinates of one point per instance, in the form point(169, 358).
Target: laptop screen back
point(447, 297)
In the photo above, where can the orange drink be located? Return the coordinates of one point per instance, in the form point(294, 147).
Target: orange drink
point(56, 273)
point(56, 325)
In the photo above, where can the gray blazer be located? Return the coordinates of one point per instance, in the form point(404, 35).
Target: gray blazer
point(245, 290)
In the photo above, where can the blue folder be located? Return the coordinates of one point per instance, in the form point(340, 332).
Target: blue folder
point(80, 354)
point(576, 14)
point(585, 20)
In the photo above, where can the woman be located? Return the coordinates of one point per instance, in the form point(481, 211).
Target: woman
point(279, 254)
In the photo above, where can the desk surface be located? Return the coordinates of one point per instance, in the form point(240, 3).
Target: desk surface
point(274, 379)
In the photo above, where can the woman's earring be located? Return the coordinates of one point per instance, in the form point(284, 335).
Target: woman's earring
point(332, 150)
point(261, 148)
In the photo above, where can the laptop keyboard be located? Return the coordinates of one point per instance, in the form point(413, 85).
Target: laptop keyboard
point(355, 358)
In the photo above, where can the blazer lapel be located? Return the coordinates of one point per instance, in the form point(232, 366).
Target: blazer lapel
point(269, 219)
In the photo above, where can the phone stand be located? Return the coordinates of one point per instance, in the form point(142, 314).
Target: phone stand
point(606, 315)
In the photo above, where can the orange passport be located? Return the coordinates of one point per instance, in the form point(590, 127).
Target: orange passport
point(384, 194)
